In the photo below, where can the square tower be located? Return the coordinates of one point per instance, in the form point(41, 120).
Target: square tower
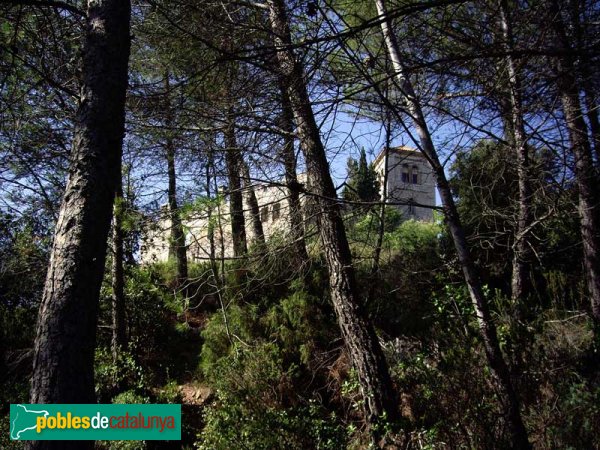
point(410, 181)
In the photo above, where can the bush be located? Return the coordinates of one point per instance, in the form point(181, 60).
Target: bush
point(127, 397)
point(163, 342)
point(232, 424)
point(263, 362)
point(412, 270)
point(112, 377)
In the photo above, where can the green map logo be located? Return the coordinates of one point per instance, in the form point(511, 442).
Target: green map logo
point(24, 420)
point(95, 422)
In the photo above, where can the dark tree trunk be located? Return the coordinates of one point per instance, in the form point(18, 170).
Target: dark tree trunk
point(521, 274)
point(236, 204)
point(509, 398)
point(129, 239)
point(374, 275)
point(288, 155)
point(586, 70)
point(177, 247)
point(63, 363)
point(209, 213)
point(584, 167)
point(257, 228)
point(119, 340)
point(359, 336)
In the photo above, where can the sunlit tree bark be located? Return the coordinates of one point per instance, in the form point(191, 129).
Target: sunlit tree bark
point(359, 336)
point(63, 365)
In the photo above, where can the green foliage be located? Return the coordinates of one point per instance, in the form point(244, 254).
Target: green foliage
point(13, 389)
point(578, 415)
point(237, 425)
point(200, 206)
point(273, 355)
point(130, 397)
point(484, 179)
point(158, 331)
point(295, 323)
point(127, 397)
point(350, 390)
point(564, 289)
point(169, 393)
point(260, 372)
point(267, 352)
point(219, 331)
point(416, 239)
point(362, 184)
point(405, 239)
point(412, 269)
point(237, 420)
point(454, 304)
point(562, 390)
point(23, 258)
point(124, 374)
point(448, 393)
point(443, 380)
point(367, 227)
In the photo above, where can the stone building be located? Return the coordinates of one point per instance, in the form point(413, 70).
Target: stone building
point(410, 183)
point(198, 224)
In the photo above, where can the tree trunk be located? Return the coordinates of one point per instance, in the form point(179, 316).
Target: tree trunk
point(257, 228)
point(177, 247)
point(509, 400)
point(374, 275)
point(591, 106)
point(586, 69)
point(119, 340)
point(209, 212)
point(522, 254)
point(584, 167)
point(63, 363)
point(359, 336)
point(236, 204)
point(288, 156)
point(130, 238)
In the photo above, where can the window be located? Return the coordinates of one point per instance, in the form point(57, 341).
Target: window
point(405, 175)
point(415, 175)
point(276, 211)
point(264, 214)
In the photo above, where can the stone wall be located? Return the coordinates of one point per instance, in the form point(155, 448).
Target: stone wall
point(410, 180)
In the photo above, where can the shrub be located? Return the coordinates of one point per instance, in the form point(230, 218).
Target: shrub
point(262, 362)
point(127, 397)
point(231, 424)
point(112, 377)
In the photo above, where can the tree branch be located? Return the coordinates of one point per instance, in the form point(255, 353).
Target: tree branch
point(49, 3)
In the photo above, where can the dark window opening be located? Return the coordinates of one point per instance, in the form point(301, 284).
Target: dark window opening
point(405, 175)
point(276, 211)
point(264, 214)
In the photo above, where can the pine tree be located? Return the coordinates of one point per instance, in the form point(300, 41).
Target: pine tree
point(362, 185)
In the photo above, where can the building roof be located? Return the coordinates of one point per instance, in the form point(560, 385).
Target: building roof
point(400, 150)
